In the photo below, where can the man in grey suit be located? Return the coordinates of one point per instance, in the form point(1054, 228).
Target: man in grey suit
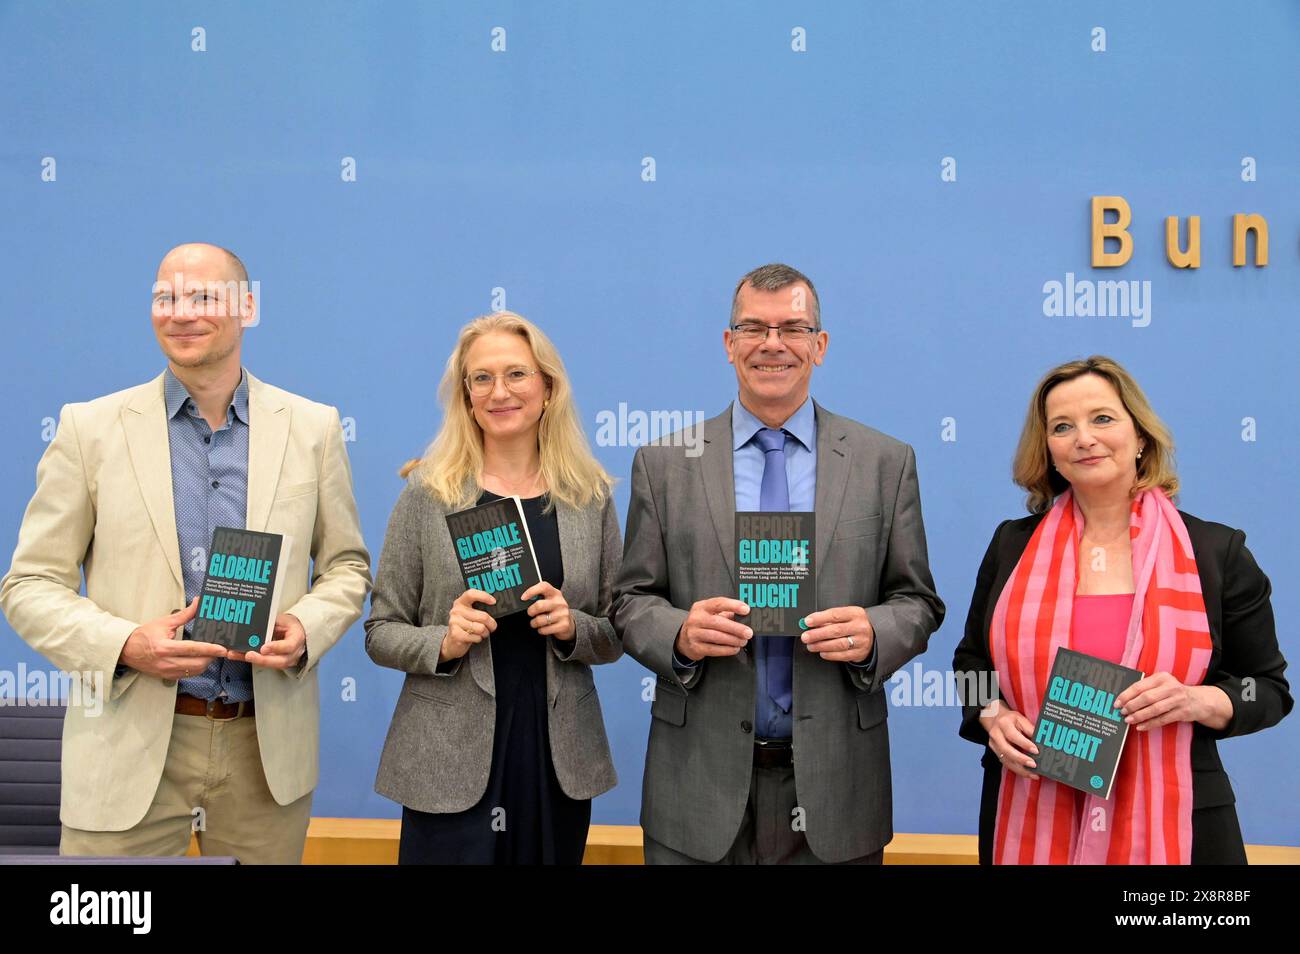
point(773, 750)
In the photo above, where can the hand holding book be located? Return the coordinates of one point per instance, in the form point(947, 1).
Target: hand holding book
point(839, 634)
point(466, 625)
point(1009, 733)
point(288, 643)
point(710, 629)
point(549, 612)
point(157, 648)
point(1160, 699)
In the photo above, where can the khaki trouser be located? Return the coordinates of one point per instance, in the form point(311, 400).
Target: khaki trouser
point(216, 767)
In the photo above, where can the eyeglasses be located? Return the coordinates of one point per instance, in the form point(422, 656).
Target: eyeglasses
point(755, 331)
point(518, 380)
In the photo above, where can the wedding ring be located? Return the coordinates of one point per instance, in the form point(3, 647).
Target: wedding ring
point(850, 639)
point(547, 617)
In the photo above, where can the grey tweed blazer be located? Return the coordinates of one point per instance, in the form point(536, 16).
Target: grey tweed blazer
point(439, 747)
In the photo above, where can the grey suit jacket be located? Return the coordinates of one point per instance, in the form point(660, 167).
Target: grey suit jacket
point(439, 747)
point(870, 552)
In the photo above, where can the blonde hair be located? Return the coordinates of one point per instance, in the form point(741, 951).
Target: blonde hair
point(450, 466)
point(1032, 467)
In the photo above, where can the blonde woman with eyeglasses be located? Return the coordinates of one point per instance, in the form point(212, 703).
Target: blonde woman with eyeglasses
point(497, 744)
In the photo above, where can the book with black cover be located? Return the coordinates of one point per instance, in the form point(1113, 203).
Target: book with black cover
point(1080, 734)
point(241, 588)
point(495, 553)
point(774, 569)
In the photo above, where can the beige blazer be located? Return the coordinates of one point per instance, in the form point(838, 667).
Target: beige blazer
point(103, 501)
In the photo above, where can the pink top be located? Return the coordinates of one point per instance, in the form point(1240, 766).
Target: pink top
point(1100, 623)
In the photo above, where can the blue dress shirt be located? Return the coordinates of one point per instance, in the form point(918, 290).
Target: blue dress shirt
point(209, 490)
point(801, 478)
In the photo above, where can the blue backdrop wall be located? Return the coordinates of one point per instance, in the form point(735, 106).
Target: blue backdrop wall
point(929, 165)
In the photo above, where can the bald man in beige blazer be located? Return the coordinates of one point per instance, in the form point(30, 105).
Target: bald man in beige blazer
point(145, 762)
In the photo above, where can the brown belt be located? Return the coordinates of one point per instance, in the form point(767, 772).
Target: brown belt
point(214, 709)
point(773, 753)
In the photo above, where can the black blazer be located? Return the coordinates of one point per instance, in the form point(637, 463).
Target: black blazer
point(1244, 640)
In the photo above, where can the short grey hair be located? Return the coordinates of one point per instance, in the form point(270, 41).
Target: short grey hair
point(774, 277)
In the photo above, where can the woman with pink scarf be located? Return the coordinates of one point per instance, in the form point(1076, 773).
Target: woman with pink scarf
point(1106, 565)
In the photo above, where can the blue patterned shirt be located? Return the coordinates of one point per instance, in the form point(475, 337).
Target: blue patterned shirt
point(209, 490)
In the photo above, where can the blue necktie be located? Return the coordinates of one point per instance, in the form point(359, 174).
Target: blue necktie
point(774, 494)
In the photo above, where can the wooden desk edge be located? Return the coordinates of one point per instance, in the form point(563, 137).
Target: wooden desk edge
point(373, 841)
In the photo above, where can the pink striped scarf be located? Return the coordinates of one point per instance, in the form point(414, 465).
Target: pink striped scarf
point(1148, 818)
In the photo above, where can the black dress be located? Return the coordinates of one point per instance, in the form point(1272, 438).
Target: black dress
point(523, 817)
